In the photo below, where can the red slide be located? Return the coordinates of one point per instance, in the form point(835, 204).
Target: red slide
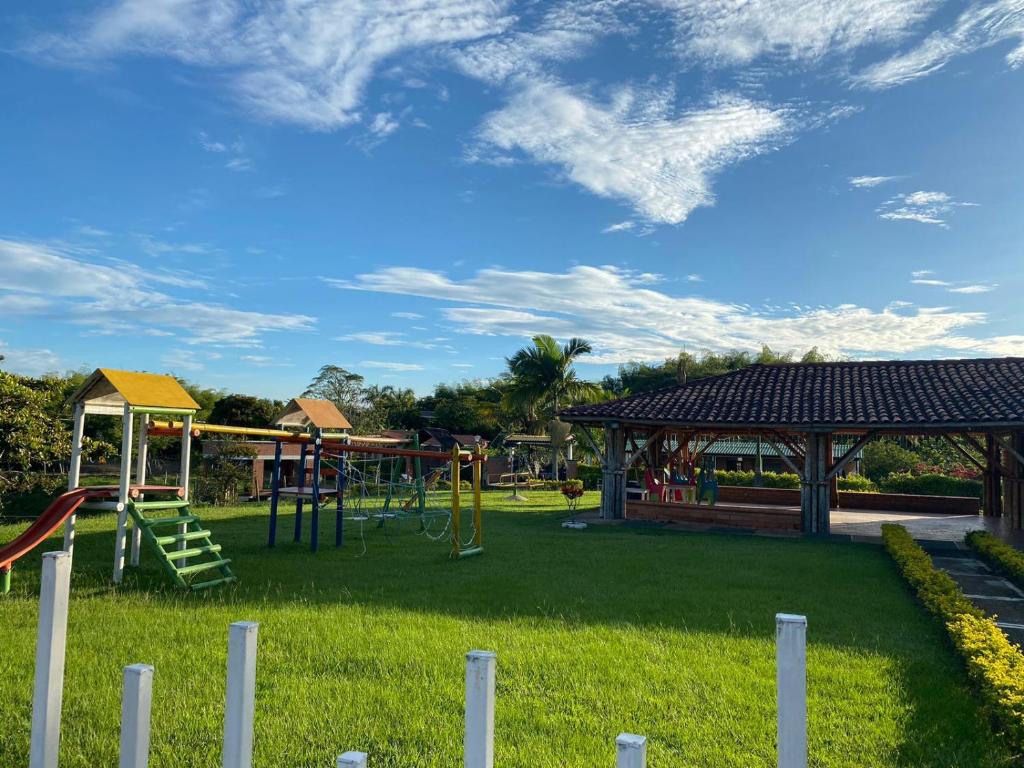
point(60, 510)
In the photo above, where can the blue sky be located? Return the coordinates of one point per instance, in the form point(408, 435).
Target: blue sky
point(240, 192)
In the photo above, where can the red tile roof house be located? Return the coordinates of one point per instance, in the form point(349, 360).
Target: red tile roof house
point(803, 407)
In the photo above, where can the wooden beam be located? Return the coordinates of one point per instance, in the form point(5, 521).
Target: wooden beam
point(782, 454)
point(1008, 447)
point(784, 439)
point(637, 451)
point(845, 458)
point(964, 452)
point(592, 443)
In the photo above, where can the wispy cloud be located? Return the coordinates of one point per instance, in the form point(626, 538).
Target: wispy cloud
point(622, 226)
point(626, 319)
point(979, 26)
point(926, 277)
point(867, 182)
point(305, 63)
point(738, 33)
point(29, 362)
point(407, 315)
point(117, 297)
point(922, 207)
point(634, 148)
point(391, 366)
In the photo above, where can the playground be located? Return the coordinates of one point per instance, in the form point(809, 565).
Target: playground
point(374, 572)
point(597, 631)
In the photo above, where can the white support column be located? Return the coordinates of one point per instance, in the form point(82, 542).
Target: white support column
point(479, 740)
point(791, 689)
point(140, 478)
point(136, 704)
point(127, 420)
point(74, 471)
point(241, 696)
point(48, 693)
point(352, 760)
point(630, 751)
point(186, 468)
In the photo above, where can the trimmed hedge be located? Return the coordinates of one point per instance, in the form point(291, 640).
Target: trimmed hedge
point(930, 485)
point(746, 479)
point(590, 476)
point(1000, 555)
point(995, 665)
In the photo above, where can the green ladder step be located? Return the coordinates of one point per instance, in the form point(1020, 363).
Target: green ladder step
point(212, 583)
point(163, 541)
point(175, 504)
point(181, 554)
point(151, 522)
point(200, 567)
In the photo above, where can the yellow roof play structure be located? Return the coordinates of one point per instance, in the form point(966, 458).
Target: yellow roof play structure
point(107, 391)
point(304, 412)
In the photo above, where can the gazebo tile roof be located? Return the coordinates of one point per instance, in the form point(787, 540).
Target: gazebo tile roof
point(895, 394)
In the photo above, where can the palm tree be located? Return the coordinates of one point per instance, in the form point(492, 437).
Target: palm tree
point(543, 379)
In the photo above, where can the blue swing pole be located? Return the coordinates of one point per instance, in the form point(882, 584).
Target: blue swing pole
point(314, 531)
point(275, 486)
point(298, 496)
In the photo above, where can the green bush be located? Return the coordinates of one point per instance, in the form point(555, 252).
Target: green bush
point(883, 457)
point(857, 483)
point(768, 479)
point(998, 554)
point(590, 476)
point(26, 496)
point(930, 485)
point(995, 665)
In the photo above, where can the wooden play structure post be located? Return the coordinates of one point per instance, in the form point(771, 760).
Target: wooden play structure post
point(136, 707)
point(240, 709)
point(127, 419)
point(140, 478)
point(74, 471)
point(630, 751)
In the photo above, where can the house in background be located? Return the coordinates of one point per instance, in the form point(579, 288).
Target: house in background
point(740, 454)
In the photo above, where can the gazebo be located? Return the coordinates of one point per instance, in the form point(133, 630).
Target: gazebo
point(802, 407)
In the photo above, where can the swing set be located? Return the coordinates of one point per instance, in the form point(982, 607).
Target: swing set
point(384, 486)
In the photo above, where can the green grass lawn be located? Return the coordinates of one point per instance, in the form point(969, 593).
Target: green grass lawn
point(598, 631)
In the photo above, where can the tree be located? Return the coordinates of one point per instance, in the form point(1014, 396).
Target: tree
point(544, 379)
point(245, 411)
point(341, 387)
point(883, 457)
point(389, 407)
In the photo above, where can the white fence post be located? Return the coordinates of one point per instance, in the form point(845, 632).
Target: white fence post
point(48, 694)
point(479, 741)
point(791, 689)
point(136, 704)
point(630, 751)
point(241, 697)
point(352, 760)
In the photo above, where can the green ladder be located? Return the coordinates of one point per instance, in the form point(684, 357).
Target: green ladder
point(185, 554)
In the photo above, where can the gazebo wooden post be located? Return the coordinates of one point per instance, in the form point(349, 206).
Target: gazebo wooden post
point(992, 489)
point(833, 483)
point(1014, 483)
point(814, 489)
point(613, 473)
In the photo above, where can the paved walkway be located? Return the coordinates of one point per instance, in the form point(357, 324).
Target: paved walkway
point(987, 590)
point(863, 523)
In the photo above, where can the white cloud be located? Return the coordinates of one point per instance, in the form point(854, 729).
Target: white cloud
point(694, 278)
point(462, 365)
point(866, 182)
point(974, 288)
point(979, 26)
point(565, 31)
point(239, 164)
point(923, 207)
point(731, 33)
point(407, 315)
point(626, 319)
point(299, 62)
point(29, 362)
point(632, 148)
point(390, 366)
point(929, 281)
point(182, 360)
point(117, 297)
point(622, 226)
